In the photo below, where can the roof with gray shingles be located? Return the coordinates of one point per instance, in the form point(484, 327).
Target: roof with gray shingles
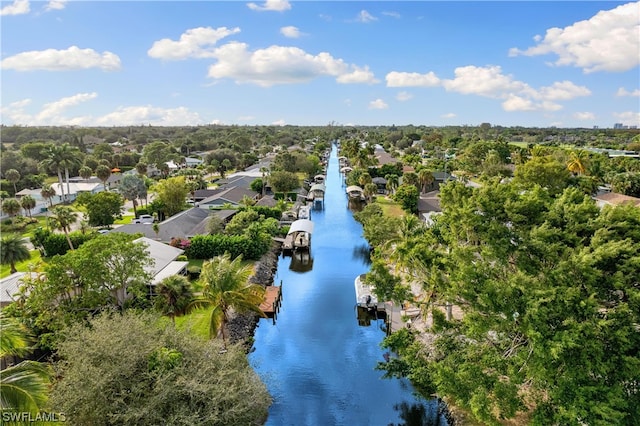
point(182, 225)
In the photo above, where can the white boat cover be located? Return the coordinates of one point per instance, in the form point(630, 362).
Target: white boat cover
point(301, 225)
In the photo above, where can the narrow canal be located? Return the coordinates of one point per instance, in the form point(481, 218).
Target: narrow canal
point(317, 362)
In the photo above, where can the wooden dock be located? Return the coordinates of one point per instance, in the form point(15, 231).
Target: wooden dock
point(272, 299)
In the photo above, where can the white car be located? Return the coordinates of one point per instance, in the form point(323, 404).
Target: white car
point(144, 218)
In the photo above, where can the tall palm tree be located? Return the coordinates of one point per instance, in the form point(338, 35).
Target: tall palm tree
point(53, 161)
point(23, 387)
point(62, 218)
point(48, 192)
point(103, 172)
point(577, 163)
point(425, 177)
point(370, 190)
point(13, 250)
point(174, 294)
point(392, 182)
point(70, 157)
point(13, 176)
point(227, 288)
point(28, 203)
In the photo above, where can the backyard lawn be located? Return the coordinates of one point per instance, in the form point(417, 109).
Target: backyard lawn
point(390, 207)
point(35, 261)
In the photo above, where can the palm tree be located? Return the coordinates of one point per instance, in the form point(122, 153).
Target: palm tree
point(13, 250)
point(13, 176)
point(53, 161)
point(103, 172)
point(85, 172)
point(370, 190)
point(63, 217)
point(392, 182)
point(28, 203)
point(48, 192)
point(226, 288)
point(577, 163)
point(11, 206)
point(23, 387)
point(425, 177)
point(132, 188)
point(141, 168)
point(174, 295)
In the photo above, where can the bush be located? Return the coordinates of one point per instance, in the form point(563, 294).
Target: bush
point(51, 244)
point(208, 246)
point(141, 210)
point(193, 272)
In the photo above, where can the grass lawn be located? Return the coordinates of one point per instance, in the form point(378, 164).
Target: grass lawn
point(5, 270)
point(390, 207)
point(197, 322)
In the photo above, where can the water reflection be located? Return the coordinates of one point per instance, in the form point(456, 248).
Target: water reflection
point(419, 415)
point(362, 253)
point(301, 261)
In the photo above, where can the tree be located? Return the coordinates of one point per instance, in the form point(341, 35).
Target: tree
point(543, 171)
point(13, 250)
point(11, 206)
point(23, 387)
point(257, 185)
point(13, 176)
point(407, 195)
point(172, 193)
point(577, 163)
point(103, 173)
point(425, 177)
point(85, 172)
point(370, 190)
point(53, 161)
point(141, 168)
point(226, 287)
point(166, 377)
point(282, 181)
point(174, 294)
point(103, 208)
point(28, 203)
point(62, 218)
point(392, 182)
point(48, 192)
point(132, 188)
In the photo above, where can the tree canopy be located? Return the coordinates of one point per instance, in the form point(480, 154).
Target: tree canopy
point(166, 377)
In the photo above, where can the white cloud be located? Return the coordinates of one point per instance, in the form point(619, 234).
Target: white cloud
point(392, 14)
point(57, 113)
point(72, 58)
point(483, 81)
point(280, 122)
point(563, 91)
point(491, 82)
point(411, 79)
point(449, 115)
point(629, 118)
point(281, 65)
point(55, 5)
point(18, 7)
point(606, 42)
point(624, 92)
point(52, 111)
point(148, 114)
point(20, 104)
point(194, 43)
point(271, 5)
point(365, 17)
point(403, 96)
point(517, 103)
point(378, 104)
point(290, 31)
point(358, 75)
point(584, 116)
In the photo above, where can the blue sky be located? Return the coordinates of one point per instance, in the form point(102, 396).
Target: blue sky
point(117, 63)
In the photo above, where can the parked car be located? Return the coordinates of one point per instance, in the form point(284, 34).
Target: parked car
point(143, 218)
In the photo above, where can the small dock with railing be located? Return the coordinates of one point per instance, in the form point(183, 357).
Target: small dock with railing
point(272, 301)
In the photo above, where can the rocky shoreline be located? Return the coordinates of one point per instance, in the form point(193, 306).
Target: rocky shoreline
point(242, 326)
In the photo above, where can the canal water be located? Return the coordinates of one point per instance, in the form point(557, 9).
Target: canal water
point(316, 360)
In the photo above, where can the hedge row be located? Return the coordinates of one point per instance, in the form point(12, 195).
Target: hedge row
point(53, 243)
point(265, 211)
point(208, 246)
